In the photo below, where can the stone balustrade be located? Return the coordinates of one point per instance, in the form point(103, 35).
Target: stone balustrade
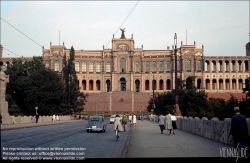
point(32, 119)
point(212, 129)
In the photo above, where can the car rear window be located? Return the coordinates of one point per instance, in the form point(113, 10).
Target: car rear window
point(95, 119)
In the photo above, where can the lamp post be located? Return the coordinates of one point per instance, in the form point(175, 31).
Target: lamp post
point(176, 106)
point(153, 85)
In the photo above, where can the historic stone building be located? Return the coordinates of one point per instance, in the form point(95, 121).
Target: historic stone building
point(123, 78)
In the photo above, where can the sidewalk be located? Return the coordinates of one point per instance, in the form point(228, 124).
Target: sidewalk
point(28, 125)
point(146, 141)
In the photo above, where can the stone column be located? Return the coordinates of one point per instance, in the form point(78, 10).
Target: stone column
point(4, 79)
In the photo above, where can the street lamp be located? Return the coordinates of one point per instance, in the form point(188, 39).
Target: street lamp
point(176, 106)
point(36, 109)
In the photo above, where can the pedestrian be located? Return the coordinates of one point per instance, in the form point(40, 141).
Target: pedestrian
point(173, 119)
point(134, 119)
point(239, 129)
point(142, 118)
point(168, 123)
point(57, 118)
point(162, 123)
point(151, 117)
point(37, 117)
point(54, 118)
point(130, 119)
point(124, 122)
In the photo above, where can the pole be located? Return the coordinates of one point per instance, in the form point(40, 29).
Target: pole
point(153, 84)
point(177, 111)
point(95, 108)
point(175, 54)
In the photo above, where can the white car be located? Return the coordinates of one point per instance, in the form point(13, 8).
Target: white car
point(112, 119)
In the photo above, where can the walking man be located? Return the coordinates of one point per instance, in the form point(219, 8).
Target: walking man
point(37, 117)
point(239, 129)
point(161, 123)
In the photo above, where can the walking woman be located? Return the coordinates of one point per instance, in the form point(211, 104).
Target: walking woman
point(134, 119)
point(173, 119)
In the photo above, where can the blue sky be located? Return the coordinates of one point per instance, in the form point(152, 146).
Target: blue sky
point(221, 26)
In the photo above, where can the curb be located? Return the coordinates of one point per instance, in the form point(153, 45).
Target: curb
point(125, 149)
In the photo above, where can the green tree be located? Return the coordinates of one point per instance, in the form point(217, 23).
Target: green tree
point(32, 85)
point(75, 99)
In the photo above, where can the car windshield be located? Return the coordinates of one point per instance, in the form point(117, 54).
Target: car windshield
point(95, 119)
point(113, 116)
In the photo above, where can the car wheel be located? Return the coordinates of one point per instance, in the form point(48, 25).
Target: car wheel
point(87, 130)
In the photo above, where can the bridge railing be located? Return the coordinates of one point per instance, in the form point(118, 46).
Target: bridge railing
point(212, 129)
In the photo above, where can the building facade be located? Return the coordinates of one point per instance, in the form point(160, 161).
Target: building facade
point(125, 74)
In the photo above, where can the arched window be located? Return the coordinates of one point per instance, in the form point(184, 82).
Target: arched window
point(57, 66)
point(161, 67)
point(91, 85)
point(123, 84)
point(47, 64)
point(77, 66)
point(123, 65)
point(108, 67)
point(147, 67)
point(137, 85)
point(84, 84)
point(168, 84)
point(188, 65)
point(198, 65)
point(178, 66)
point(147, 85)
point(108, 85)
point(84, 66)
point(154, 67)
point(168, 66)
point(161, 85)
point(91, 67)
point(137, 67)
point(98, 67)
point(98, 85)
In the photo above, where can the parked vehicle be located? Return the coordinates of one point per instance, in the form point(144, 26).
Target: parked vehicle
point(96, 123)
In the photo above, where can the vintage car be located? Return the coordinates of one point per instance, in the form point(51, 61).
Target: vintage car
point(112, 119)
point(96, 123)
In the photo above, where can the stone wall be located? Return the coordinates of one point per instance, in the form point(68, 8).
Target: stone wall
point(32, 119)
point(211, 129)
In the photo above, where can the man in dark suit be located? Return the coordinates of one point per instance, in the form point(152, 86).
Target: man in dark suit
point(239, 129)
point(37, 116)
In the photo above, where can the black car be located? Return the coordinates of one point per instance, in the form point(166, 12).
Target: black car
point(96, 123)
